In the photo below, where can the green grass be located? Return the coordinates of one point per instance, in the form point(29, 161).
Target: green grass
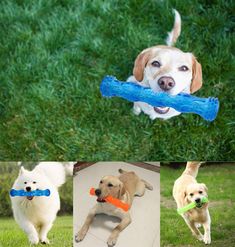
point(220, 182)
point(53, 55)
point(59, 236)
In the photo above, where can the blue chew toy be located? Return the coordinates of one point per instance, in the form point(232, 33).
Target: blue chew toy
point(30, 193)
point(185, 103)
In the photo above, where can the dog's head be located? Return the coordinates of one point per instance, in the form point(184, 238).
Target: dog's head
point(109, 186)
point(29, 181)
point(168, 69)
point(195, 192)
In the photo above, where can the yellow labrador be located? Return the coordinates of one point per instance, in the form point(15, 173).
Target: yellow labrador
point(124, 187)
point(186, 190)
point(164, 68)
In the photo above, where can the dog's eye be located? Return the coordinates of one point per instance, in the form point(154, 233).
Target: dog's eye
point(191, 194)
point(101, 182)
point(156, 64)
point(25, 182)
point(34, 182)
point(110, 185)
point(183, 68)
point(200, 192)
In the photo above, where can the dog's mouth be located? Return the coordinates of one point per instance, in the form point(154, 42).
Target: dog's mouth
point(161, 110)
point(99, 199)
point(30, 198)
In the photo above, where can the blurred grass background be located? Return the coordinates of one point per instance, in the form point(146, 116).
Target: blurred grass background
point(220, 180)
point(60, 234)
point(53, 55)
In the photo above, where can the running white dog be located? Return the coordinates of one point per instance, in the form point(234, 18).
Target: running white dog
point(36, 215)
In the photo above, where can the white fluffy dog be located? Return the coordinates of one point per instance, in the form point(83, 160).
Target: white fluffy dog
point(35, 215)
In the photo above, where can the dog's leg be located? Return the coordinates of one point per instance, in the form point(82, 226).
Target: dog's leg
point(115, 233)
point(207, 230)
point(29, 229)
point(82, 233)
point(136, 109)
point(140, 189)
point(195, 231)
point(43, 233)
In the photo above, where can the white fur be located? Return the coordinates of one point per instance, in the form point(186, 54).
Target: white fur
point(36, 216)
point(175, 32)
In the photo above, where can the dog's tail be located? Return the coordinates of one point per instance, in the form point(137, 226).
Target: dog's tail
point(192, 168)
point(147, 184)
point(175, 32)
point(56, 171)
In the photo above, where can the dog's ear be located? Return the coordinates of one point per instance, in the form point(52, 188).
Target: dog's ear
point(204, 187)
point(140, 64)
point(196, 83)
point(22, 170)
point(122, 191)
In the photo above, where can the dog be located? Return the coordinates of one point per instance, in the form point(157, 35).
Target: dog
point(35, 215)
point(124, 187)
point(164, 68)
point(186, 190)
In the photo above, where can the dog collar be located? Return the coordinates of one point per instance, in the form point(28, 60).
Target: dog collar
point(192, 205)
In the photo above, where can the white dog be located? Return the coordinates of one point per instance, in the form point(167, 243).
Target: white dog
point(166, 69)
point(35, 215)
point(186, 190)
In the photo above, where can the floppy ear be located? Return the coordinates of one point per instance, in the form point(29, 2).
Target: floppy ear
point(122, 190)
point(196, 83)
point(140, 64)
point(22, 170)
point(204, 187)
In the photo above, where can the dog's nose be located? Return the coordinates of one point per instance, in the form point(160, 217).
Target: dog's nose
point(197, 200)
point(98, 192)
point(166, 83)
point(28, 188)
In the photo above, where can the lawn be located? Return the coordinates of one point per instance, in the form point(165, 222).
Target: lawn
point(220, 180)
point(59, 236)
point(53, 55)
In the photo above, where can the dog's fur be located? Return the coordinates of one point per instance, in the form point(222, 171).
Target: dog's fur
point(186, 190)
point(171, 62)
point(35, 215)
point(124, 187)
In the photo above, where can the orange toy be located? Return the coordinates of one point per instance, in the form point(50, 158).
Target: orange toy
point(116, 202)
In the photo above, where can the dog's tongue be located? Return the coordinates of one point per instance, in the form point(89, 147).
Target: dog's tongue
point(30, 198)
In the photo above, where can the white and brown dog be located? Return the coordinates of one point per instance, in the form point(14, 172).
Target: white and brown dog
point(164, 68)
point(186, 190)
point(124, 187)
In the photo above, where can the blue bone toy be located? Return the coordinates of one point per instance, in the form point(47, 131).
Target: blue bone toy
point(30, 193)
point(186, 103)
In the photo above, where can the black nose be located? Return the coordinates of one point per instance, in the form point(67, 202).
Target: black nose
point(198, 200)
point(28, 188)
point(98, 192)
point(166, 83)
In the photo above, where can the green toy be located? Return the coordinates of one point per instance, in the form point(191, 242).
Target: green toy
point(192, 205)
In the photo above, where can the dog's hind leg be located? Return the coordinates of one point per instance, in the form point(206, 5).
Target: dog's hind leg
point(140, 189)
point(45, 228)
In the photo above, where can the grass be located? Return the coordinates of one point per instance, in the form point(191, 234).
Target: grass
point(220, 182)
point(59, 236)
point(53, 55)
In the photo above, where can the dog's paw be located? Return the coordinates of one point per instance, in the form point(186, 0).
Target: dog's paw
point(198, 236)
point(112, 241)
point(207, 239)
point(80, 236)
point(45, 241)
point(33, 239)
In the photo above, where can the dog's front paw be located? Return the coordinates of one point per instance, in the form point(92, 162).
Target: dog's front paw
point(207, 239)
point(33, 239)
point(80, 236)
point(45, 241)
point(112, 241)
point(199, 236)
